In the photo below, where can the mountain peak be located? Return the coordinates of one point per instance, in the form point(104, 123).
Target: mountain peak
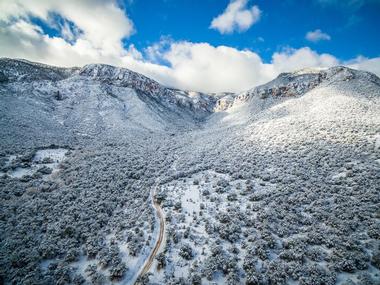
point(289, 84)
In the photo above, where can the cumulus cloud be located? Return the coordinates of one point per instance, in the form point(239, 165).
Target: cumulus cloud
point(102, 24)
point(293, 59)
point(183, 64)
point(317, 35)
point(207, 68)
point(236, 17)
point(363, 63)
point(201, 66)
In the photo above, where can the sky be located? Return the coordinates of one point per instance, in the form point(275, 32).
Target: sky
point(200, 45)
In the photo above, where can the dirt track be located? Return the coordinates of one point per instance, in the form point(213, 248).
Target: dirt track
point(150, 259)
point(148, 263)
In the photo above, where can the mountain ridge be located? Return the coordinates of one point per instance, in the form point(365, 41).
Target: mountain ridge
point(286, 84)
point(103, 100)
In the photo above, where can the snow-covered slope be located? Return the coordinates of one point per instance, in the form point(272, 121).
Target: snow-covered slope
point(276, 185)
point(22, 70)
point(42, 103)
point(175, 100)
point(281, 189)
point(117, 100)
point(258, 101)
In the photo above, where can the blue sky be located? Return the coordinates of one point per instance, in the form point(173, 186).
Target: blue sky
point(354, 28)
point(208, 45)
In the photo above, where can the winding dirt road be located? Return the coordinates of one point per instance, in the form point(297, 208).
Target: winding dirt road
point(148, 263)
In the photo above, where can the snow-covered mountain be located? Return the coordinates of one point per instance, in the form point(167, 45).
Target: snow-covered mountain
point(96, 100)
point(299, 82)
point(195, 104)
point(117, 100)
point(292, 86)
point(108, 177)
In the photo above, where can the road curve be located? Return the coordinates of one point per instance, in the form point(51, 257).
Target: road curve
point(148, 263)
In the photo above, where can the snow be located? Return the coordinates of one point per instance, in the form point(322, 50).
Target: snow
point(188, 192)
point(50, 158)
point(55, 154)
point(135, 264)
point(377, 142)
point(20, 172)
point(284, 173)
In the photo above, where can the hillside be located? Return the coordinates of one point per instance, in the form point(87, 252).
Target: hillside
point(107, 176)
point(96, 100)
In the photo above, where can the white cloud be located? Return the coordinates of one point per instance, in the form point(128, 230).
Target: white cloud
point(293, 59)
point(183, 65)
point(236, 17)
point(317, 35)
point(102, 23)
point(203, 67)
point(26, 29)
point(69, 32)
point(363, 63)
